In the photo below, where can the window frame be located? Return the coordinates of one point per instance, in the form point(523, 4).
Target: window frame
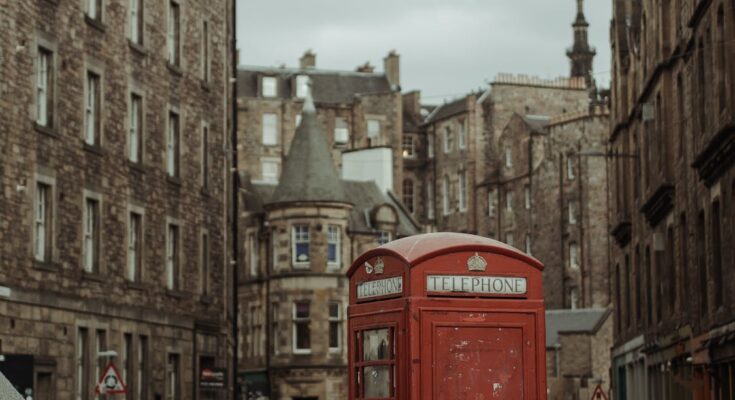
point(409, 146)
point(295, 240)
point(93, 108)
point(574, 262)
point(44, 96)
point(384, 237)
point(446, 206)
point(270, 177)
point(302, 85)
point(571, 175)
point(335, 322)
point(91, 239)
point(135, 128)
point(269, 86)
point(527, 197)
point(462, 191)
point(136, 21)
point(173, 256)
point(334, 238)
point(44, 216)
point(341, 131)
point(296, 321)
point(173, 376)
point(508, 156)
point(509, 200)
point(204, 155)
point(173, 144)
point(253, 259)
point(94, 10)
point(462, 129)
point(373, 131)
point(448, 139)
point(409, 195)
point(430, 201)
point(205, 51)
point(269, 129)
point(134, 246)
point(173, 34)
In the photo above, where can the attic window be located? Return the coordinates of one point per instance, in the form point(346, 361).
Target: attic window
point(269, 86)
point(384, 237)
point(302, 86)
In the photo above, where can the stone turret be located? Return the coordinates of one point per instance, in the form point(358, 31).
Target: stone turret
point(581, 55)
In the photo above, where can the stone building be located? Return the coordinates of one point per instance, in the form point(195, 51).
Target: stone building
point(113, 180)
point(672, 193)
point(299, 237)
point(360, 109)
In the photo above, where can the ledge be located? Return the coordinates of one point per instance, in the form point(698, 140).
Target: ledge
point(137, 48)
point(94, 23)
point(46, 130)
point(719, 155)
point(47, 266)
point(136, 166)
point(175, 69)
point(93, 276)
point(96, 149)
point(659, 204)
point(622, 233)
point(134, 285)
point(176, 294)
point(173, 180)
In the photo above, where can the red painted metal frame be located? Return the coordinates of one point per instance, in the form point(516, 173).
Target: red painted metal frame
point(412, 312)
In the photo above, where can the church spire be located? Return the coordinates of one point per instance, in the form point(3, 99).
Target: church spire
point(581, 54)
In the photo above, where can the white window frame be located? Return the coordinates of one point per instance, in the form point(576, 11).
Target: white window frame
point(373, 131)
point(341, 133)
point(334, 237)
point(269, 122)
point(295, 321)
point(430, 201)
point(462, 191)
point(136, 23)
point(135, 133)
point(173, 33)
point(269, 86)
point(384, 237)
point(527, 197)
point(94, 10)
point(462, 134)
point(43, 228)
point(339, 322)
point(446, 208)
point(409, 146)
point(173, 140)
point(300, 237)
point(271, 173)
point(302, 86)
point(92, 108)
point(44, 69)
point(173, 255)
point(134, 244)
point(430, 145)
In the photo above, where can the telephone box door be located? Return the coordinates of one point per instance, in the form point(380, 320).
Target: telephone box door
point(479, 355)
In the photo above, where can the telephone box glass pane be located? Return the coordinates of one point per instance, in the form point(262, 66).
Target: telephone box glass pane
point(377, 381)
point(376, 345)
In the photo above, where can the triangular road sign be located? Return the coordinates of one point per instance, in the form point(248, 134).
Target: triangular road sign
point(599, 394)
point(110, 382)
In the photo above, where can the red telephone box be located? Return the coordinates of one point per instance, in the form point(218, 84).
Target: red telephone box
point(446, 316)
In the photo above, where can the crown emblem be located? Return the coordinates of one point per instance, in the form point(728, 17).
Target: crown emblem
point(476, 263)
point(379, 266)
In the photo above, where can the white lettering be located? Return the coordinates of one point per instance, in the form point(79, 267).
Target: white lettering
point(476, 284)
point(380, 287)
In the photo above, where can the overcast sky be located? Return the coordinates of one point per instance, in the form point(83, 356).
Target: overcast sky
point(447, 47)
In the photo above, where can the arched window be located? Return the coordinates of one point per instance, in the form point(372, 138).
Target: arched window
point(408, 197)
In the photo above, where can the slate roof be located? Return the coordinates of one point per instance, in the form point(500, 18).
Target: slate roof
point(447, 110)
point(586, 320)
point(309, 173)
point(365, 196)
point(537, 123)
point(329, 87)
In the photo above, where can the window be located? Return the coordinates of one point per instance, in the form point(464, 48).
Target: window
point(683, 257)
point(462, 134)
point(373, 133)
point(681, 111)
point(445, 195)
point(509, 238)
point(341, 131)
point(270, 169)
point(527, 197)
point(462, 189)
point(572, 209)
point(528, 244)
point(127, 367)
point(269, 86)
point(430, 200)
point(94, 10)
point(205, 157)
point(509, 201)
point(298, 120)
point(335, 326)
point(204, 264)
point(134, 246)
point(408, 195)
point(448, 139)
point(100, 340)
point(702, 263)
point(270, 129)
point(649, 286)
point(718, 277)
point(409, 147)
point(173, 42)
point(253, 253)
point(570, 168)
point(135, 141)
point(573, 298)
point(275, 246)
point(275, 328)
point(384, 237)
point(136, 21)
point(82, 361)
point(334, 240)
point(173, 377)
point(172, 257)
point(492, 202)
point(300, 247)
point(722, 58)
point(430, 145)
point(205, 51)
point(508, 157)
point(91, 235)
point(142, 370)
point(43, 226)
point(573, 256)
point(301, 329)
point(302, 86)
point(172, 145)
point(44, 87)
point(256, 326)
point(628, 290)
point(92, 110)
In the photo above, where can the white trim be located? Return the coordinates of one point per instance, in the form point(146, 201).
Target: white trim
point(294, 329)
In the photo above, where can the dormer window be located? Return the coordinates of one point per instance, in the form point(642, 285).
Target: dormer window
point(269, 86)
point(302, 86)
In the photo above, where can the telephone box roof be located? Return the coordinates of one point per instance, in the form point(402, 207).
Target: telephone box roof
point(415, 249)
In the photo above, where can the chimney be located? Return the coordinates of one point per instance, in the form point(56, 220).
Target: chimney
point(365, 67)
point(308, 60)
point(392, 67)
point(412, 102)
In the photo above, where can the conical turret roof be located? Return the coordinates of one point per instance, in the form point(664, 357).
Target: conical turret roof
point(309, 174)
